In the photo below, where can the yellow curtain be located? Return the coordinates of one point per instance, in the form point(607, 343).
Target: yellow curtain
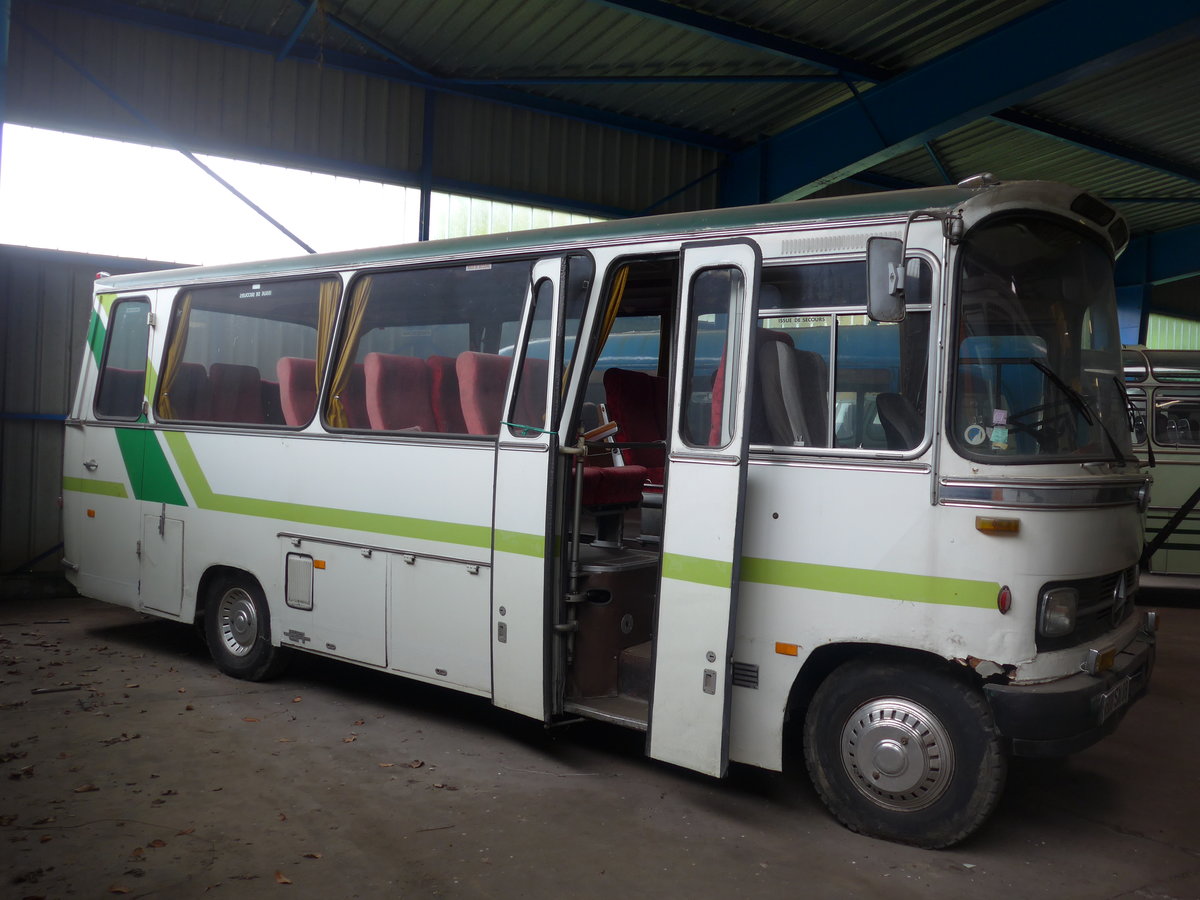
point(336, 411)
point(174, 359)
point(614, 305)
point(327, 299)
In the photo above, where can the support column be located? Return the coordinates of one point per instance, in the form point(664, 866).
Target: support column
point(427, 143)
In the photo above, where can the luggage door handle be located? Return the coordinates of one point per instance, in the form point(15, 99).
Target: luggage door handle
point(91, 465)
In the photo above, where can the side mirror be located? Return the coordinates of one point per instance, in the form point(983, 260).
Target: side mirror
point(885, 279)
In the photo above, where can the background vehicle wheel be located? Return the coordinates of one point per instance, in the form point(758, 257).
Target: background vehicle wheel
point(237, 626)
point(904, 752)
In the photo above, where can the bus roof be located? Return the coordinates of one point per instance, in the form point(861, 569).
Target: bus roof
point(890, 204)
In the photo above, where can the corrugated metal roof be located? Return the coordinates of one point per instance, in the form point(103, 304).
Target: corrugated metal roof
point(623, 104)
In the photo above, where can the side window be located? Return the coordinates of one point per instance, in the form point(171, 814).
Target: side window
point(428, 350)
point(528, 415)
point(713, 328)
point(1177, 417)
point(248, 354)
point(827, 376)
point(123, 373)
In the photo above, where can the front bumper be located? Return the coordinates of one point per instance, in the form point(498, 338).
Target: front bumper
point(1067, 715)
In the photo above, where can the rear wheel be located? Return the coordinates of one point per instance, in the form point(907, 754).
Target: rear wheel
point(237, 626)
point(904, 752)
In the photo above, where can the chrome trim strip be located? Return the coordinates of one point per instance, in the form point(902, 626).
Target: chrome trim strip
point(761, 458)
point(375, 548)
point(1038, 494)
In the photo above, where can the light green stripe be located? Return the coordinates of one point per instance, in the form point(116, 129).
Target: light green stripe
point(697, 570)
point(106, 301)
point(872, 583)
point(92, 486)
point(377, 523)
point(520, 543)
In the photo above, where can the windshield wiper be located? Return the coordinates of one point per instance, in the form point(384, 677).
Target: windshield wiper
point(1080, 402)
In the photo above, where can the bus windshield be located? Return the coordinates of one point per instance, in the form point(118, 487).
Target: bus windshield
point(1037, 375)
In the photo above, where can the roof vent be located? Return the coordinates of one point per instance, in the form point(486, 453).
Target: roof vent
point(978, 182)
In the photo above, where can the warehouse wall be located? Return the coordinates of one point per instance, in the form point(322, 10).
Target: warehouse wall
point(45, 302)
point(231, 101)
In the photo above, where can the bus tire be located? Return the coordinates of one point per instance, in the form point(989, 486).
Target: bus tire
point(237, 627)
point(904, 752)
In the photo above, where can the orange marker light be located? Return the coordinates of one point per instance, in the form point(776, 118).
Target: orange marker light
point(787, 649)
point(992, 525)
point(91, 514)
point(318, 563)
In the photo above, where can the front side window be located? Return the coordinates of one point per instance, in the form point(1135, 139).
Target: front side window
point(836, 379)
point(1038, 371)
point(123, 374)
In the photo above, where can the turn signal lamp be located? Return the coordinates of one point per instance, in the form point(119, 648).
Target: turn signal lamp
point(1098, 661)
point(993, 525)
point(787, 649)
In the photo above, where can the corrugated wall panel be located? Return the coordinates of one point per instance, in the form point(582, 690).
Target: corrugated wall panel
point(230, 101)
point(45, 304)
point(212, 98)
point(551, 156)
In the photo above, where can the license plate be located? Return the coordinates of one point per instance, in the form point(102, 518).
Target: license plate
point(1113, 700)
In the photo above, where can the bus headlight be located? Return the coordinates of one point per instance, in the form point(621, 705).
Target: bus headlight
point(1056, 611)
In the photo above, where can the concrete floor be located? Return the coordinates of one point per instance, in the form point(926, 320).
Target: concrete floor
point(155, 776)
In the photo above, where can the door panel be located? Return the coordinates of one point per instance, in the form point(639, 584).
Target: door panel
point(525, 462)
point(702, 526)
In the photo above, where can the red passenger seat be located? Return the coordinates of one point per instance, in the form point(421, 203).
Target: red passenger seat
point(637, 402)
point(444, 395)
point(236, 393)
point(297, 389)
point(482, 381)
point(190, 393)
point(398, 393)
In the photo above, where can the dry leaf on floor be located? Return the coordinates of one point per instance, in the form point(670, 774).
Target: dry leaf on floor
point(280, 878)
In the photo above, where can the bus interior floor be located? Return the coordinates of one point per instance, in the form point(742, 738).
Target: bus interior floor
point(131, 767)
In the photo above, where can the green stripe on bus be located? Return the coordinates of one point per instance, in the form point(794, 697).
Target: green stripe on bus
point(93, 486)
point(95, 336)
point(158, 484)
point(377, 523)
point(520, 543)
point(698, 570)
point(872, 583)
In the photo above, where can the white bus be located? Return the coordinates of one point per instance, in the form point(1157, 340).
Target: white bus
point(875, 506)
point(1164, 386)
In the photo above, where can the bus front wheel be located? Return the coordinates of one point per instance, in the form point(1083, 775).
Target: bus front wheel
point(238, 630)
point(904, 752)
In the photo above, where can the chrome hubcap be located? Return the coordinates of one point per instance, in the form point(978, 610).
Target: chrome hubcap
point(897, 754)
point(238, 621)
